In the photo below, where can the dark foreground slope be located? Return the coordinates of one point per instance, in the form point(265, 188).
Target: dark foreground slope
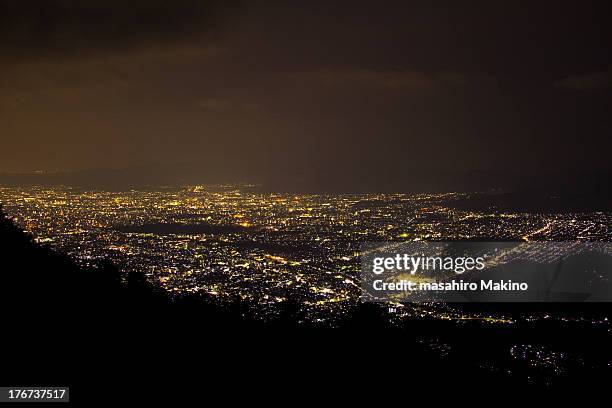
point(111, 337)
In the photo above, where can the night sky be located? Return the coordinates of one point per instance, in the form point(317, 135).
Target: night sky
point(312, 95)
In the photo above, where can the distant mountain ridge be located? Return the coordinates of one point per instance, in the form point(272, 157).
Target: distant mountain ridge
point(135, 177)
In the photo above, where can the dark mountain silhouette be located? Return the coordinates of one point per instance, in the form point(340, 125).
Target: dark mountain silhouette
point(96, 327)
point(64, 324)
point(536, 202)
point(575, 186)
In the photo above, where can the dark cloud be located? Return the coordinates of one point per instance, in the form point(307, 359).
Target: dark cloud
point(393, 79)
point(333, 92)
point(587, 82)
point(223, 105)
point(59, 28)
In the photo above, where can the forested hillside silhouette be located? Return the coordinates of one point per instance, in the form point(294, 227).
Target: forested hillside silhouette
point(72, 325)
point(62, 322)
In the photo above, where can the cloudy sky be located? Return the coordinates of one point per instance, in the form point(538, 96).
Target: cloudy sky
point(330, 95)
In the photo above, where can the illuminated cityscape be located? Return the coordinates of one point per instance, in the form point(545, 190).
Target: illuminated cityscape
point(231, 242)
